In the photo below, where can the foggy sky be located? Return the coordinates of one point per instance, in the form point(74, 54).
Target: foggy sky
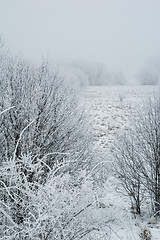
point(121, 34)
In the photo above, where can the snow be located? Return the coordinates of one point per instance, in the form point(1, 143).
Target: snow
point(111, 109)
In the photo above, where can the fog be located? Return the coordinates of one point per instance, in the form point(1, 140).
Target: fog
point(121, 34)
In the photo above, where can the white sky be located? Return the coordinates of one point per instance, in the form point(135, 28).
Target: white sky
point(121, 34)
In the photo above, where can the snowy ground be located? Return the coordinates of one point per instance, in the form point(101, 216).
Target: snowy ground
point(111, 108)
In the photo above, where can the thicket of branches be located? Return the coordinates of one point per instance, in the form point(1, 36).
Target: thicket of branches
point(45, 157)
point(39, 95)
point(54, 210)
point(137, 159)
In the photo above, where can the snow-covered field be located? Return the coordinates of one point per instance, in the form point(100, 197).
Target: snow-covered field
point(111, 108)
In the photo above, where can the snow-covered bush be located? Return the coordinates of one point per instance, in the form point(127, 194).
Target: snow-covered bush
point(39, 94)
point(46, 189)
point(56, 209)
point(137, 157)
point(75, 76)
point(94, 74)
point(149, 75)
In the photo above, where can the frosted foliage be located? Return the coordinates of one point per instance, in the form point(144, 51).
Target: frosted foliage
point(47, 189)
point(55, 210)
point(39, 94)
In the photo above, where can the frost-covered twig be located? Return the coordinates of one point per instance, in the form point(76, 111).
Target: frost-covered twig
point(8, 217)
point(7, 190)
point(7, 110)
point(14, 155)
point(76, 214)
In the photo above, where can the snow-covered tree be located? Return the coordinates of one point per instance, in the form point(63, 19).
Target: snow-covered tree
point(150, 74)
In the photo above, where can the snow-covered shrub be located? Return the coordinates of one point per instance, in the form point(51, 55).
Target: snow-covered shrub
point(149, 75)
point(59, 125)
point(46, 191)
point(75, 76)
point(57, 209)
point(137, 157)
